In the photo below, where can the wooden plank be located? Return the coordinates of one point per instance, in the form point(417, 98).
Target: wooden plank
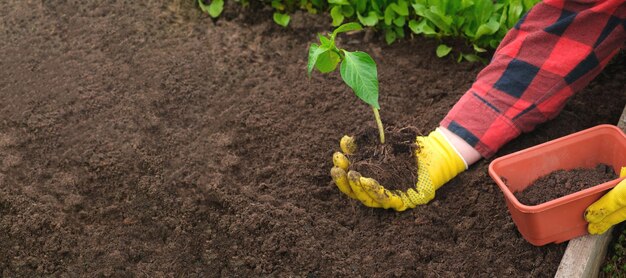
point(584, 255)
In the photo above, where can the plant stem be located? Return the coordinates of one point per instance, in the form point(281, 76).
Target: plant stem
point(379, 123)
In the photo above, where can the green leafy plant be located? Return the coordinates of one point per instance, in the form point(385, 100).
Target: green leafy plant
point(358, 69)
point(282, 19)
point(481, 23)
point(615, 263)
point(443, 50)
point(282, 8)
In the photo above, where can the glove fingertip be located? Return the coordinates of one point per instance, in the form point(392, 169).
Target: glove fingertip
point(348, 145)
point(597, 228)
point(341, 161)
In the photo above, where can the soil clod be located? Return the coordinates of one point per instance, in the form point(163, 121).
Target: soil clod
point(392, 164)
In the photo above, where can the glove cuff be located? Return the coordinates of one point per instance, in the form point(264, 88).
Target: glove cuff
point(453, 147)
point(449, 162)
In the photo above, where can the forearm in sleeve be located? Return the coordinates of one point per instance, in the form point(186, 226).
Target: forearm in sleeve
point(555, 50)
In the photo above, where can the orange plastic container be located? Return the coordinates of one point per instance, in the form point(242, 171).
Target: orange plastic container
point(560, 219)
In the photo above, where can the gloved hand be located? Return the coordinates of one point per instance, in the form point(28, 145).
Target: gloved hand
point(608, 210)
point(437, 163)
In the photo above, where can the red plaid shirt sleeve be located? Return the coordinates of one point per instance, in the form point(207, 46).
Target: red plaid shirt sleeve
point(555, 50)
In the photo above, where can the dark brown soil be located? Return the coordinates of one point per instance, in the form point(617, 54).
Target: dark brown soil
point(614, 264)
point(141, 138)
point(392, 164)
point(564, 182)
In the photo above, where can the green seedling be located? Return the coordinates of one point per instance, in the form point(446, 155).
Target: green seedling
point(214, 9)
point(282, 19)
point(358, 69)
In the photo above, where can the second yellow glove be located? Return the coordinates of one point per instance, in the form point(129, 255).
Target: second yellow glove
point(608, 210)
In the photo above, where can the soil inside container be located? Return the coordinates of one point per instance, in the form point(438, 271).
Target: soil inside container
point(564, 182)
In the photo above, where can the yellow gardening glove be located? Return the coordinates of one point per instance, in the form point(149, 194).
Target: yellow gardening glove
point(437, 163)
point(609, 210)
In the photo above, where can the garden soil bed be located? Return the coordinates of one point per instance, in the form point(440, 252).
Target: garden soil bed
point(145, 139)
point(564, 182)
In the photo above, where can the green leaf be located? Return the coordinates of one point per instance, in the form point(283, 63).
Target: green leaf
point(317, 3)
point(503, 17)
point(435, 16)
point(314, 52)
point(359, 72)
point(413, 25)
point(419, 7)
point(440, 20)
point(483, 9)
point(326, 42)
point(514, 12)
point(214, 9)
point(466, 4)
point(352, 26)
point(498, 6)
point(310, 9)
point(375, 6)
point(389, 15)
point(421, 28)
point(203, 7)
point(400, 21)
point(488, 28)
point(494, 43)
point(348, 11)
point(479, 49)
point(390, 36)
point(399, 32)
point(277, 4)
point(402, 8)
point(361, 5)
point(327, 61)
point(339, 2)
point(322, 56)
point(370, 20)
point(336, 15)
point(443, 50)
point(529, 4)
point(282, 19)
point(472, 58)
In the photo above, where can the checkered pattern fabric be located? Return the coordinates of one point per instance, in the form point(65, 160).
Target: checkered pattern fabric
point(555, 50)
